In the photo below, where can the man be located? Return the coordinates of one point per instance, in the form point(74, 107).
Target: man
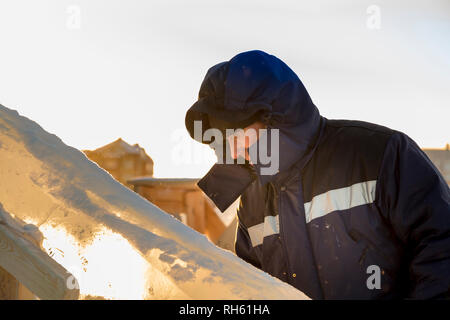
point(354, 210)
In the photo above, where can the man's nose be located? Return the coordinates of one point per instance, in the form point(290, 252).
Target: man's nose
point(233, 143)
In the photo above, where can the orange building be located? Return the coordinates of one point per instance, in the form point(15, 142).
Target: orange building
point(182, 198)
point(122, 160)
point(441, 159)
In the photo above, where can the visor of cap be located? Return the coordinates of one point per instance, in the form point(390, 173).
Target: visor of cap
point(213, 116)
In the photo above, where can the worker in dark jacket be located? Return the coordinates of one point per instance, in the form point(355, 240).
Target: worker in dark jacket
point(354, 210)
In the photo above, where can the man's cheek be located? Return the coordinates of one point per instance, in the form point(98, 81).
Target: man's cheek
point(240, 145)
point(250, 140)
point(237, 146)
point(232, 147)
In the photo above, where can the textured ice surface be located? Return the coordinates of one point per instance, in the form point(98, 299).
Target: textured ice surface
point(115, 242)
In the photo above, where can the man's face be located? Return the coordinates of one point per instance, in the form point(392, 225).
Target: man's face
point(241, 140)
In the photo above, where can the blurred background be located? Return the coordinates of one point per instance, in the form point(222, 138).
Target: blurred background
point(95, 71)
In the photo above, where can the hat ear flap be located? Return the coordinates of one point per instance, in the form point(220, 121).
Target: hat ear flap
point(191, 117)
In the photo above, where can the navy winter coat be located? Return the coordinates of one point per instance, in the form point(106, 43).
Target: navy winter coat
point(348, 195)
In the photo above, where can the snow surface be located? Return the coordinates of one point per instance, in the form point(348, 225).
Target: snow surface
point(118, 239)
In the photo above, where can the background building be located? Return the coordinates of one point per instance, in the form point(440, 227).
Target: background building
point(122, 160)
point(182, 198)
point(441, 159)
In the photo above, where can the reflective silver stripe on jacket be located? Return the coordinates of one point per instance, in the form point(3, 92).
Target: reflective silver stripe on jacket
point(333, 200)
point(271, 225)
point(340, 199)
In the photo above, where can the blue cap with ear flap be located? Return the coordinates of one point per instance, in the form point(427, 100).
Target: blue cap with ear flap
point(210, 108)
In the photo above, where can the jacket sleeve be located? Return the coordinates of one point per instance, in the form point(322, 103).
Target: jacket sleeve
point(243, 245)
point(415, 199)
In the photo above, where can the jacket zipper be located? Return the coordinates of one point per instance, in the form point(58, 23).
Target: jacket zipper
point(278, 197)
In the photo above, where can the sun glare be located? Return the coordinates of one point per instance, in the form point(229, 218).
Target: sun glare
point(107, 268)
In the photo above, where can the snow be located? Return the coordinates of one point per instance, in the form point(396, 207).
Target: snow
point(116, 243)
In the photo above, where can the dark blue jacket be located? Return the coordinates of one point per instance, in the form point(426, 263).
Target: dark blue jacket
point(348, 196)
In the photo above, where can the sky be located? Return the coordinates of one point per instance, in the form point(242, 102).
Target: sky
point(92, 71)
